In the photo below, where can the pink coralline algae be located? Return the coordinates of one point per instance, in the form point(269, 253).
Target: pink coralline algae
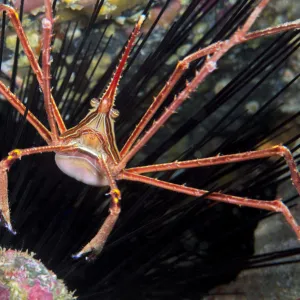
point(24, 278)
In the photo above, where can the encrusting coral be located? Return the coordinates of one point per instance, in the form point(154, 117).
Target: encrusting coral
point(24, 278)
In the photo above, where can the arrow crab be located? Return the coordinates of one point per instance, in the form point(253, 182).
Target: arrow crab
point(88, 151)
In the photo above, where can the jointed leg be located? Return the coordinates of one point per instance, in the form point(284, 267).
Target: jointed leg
point(96, 245)
point(13, 16)
point(276, 205)
point(47, 24)
point(181, 67)
point(19, 106)
point(5, 165)
point(219, 49)
point(226, 159)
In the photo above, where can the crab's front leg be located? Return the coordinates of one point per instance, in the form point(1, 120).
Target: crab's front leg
point(4, 206)
point(5, 165)
point(95, 246)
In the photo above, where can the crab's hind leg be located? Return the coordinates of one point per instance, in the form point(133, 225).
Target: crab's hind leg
point(275, 205)
point(278, 150)
point(226, 159)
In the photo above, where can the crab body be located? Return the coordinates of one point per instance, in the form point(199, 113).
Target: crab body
point(94, 137)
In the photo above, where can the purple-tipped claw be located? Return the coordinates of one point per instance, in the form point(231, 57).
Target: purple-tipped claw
point(89, 256)
point(77, 255)
point(6, 225)
point(9, 227)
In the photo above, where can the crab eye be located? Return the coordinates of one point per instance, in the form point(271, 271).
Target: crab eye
point(94, 102)
point(114, 113)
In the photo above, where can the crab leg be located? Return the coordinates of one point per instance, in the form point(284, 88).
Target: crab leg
point(13, 16)
point(226, 159)
point(5, 165)
point(96, 245)
point(20, 107)
point(275, 205)
point(47, 24)
point(219, 48)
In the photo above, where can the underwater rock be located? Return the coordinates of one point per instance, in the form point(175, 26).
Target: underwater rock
point(23, 277)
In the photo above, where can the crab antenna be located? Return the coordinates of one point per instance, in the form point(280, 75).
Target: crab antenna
point(108, 99)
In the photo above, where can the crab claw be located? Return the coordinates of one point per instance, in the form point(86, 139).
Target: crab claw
point(9, 227)
point(90, 255)
point(6, 224)
point(77, 255)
